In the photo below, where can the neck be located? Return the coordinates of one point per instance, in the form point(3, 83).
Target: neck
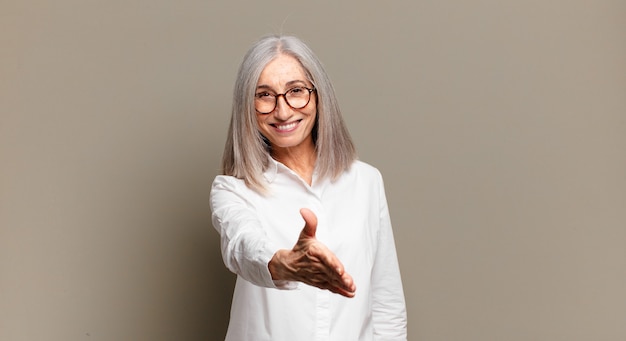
point(300, 159)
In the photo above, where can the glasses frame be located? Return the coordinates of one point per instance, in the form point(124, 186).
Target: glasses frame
point(310, 90)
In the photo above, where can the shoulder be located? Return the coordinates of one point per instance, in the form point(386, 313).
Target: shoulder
point(228, 183)
point(227, 191)
point(364, 169)
point(362, 174)
point(227, 180)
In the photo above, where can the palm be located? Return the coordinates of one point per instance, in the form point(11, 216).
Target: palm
point(311, 262)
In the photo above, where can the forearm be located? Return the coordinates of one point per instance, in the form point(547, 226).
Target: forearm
point(246, 248)
point(389, 307)
point(246, 251)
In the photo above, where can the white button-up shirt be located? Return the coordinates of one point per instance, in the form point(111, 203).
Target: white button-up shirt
point(353, 222)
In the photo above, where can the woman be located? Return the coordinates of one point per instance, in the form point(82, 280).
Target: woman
point(302, 222)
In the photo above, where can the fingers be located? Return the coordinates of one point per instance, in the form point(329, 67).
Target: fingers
point(343, 286)
point(331, 262)
point(320, 267)
point(347, 285)
point(325, 255)
point(331, 271)
point(323, 281)
point(310, 222)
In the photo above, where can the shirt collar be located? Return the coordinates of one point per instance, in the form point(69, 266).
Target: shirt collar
point(272, 170)
point(273, 166)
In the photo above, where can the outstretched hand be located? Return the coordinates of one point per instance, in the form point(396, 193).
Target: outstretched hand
point(311, 262)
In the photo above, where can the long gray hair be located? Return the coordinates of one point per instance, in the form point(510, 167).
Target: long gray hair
point(246, 153)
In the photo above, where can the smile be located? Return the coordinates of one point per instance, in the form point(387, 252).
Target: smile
point(287, 126)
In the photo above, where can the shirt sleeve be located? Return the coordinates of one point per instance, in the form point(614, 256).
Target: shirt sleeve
point(246, 248)
point(389, 308)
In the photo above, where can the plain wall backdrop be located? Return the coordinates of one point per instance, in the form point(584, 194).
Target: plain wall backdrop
point(499, 127)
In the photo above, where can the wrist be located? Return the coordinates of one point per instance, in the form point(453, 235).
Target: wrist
point(275, 265)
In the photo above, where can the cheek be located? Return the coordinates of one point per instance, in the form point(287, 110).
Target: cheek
point(313, 114)
point(311, 109)
point(259, 121)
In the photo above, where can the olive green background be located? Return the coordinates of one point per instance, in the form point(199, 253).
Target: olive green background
point(499, 127)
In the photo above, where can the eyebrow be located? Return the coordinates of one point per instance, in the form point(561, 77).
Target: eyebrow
point(288, 84)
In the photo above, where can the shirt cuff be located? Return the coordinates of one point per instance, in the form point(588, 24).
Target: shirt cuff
point(286, 285)
point(276, 284)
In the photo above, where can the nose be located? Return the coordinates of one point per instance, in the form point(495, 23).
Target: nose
point(282, 111)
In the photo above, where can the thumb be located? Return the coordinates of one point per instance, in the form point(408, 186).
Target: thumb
point(310, 222)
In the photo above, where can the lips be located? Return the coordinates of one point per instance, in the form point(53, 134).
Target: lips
point(285, 127)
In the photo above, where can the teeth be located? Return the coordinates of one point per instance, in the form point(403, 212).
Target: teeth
point(287, 126)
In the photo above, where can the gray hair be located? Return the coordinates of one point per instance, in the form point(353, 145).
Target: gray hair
point(246, 153)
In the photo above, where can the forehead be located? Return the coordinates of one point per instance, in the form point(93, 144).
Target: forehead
point(282, 70)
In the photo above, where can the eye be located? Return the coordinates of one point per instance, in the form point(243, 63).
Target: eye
point(263, 94)
point(297, 91)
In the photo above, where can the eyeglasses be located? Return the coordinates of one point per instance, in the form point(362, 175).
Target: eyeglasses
point(296, 98)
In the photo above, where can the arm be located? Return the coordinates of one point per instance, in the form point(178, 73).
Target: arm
point(389, 310)
point(246, 248)
point(248, 252)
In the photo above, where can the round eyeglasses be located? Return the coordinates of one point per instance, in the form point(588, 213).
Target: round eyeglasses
point(296, 98)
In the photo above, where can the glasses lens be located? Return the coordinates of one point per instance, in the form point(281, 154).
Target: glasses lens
point(264, 103)
point(297, 97)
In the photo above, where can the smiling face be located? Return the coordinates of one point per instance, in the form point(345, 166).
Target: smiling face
point(286, 127)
